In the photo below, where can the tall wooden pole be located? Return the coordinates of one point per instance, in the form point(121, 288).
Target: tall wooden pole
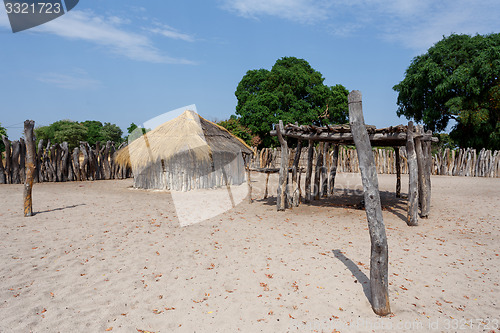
point(317, 172)
point(30, 167)
point(379, 250)
point(412, 219)
point(283, 175)
point(427, 175)
point(8, 174)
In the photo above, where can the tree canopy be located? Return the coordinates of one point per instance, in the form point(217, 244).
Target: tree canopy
point(291, 91)
point(458, 78)
point(73, 132)
point(233, 125)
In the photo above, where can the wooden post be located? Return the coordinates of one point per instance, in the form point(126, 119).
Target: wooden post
point(22, 160)
point(247, 159)
point(412, 219)
point(16, 151)
point(310, 154)
point(283, 175)
point(324, 175)
point(267, 182)
point(39, 156)
point(317, 172)
point(398, 172)
point(2, 171)
point(379, 250)
point(422, 185)
point(30, 167)
point(296, 160)
point(8, 174)
point(333, 169)
point(427, 175)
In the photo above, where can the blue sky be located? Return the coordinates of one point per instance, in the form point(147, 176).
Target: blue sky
point(129, 61)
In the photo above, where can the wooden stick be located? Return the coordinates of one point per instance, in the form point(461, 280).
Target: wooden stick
point(412, 219)
point(317, 172)
point(2, 171)
point(333, 170)
point(30, 167)
point(310, 155)
point(379, 250)
point(398, 172)
point(8, 174)
point(427, 177)
point(296, 160)
point(324, 175)
point(281, 197)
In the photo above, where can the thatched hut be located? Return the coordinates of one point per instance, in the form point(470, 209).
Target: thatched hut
point(185, 153)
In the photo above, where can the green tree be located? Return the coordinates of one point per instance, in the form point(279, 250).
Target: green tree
point(3, 131)
point(62, 130)
point(233, 125)
point(94, 128)
point(111, 132)
point(291, 91)
point(457, 79)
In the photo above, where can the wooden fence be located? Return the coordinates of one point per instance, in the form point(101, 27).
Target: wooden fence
point(462, 162)
point(56, 163)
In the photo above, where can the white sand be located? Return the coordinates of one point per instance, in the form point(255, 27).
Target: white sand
point(100, 256)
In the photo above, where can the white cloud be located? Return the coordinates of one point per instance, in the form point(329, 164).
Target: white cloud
point(107, 32)
point(304, 11)
point(416, 24)
point(169, 32)
point(76, 80)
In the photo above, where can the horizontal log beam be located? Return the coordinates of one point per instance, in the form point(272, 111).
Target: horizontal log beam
point(380, 139)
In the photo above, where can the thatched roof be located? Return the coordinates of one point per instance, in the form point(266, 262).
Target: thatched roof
point(188, 132)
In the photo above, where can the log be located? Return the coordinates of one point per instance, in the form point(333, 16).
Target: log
point(398, 172)
point(310, 155)
point(412, 219)
point(333, 169)
point(296, 160)
point(16, 151)
point(30, 167)
point(8, 156)
point(85, 162)
point(379, 250)
point(283, 175)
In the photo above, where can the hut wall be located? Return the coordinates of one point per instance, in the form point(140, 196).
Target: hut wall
point(186, 172)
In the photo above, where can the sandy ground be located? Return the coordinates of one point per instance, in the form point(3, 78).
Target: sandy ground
point(100, 256)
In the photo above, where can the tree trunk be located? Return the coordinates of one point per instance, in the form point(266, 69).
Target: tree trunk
point(379, 250)
point(85, 162)
point(310, 155)
point(427, 175)
point(64, 161)
point(38, 165)
point(30, 167)
point(413, 178)
point(283, 175)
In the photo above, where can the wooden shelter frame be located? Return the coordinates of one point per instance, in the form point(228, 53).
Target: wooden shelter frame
point(418, 146)
point(416, 141)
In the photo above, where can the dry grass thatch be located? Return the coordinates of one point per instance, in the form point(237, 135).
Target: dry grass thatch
point(188, 132)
